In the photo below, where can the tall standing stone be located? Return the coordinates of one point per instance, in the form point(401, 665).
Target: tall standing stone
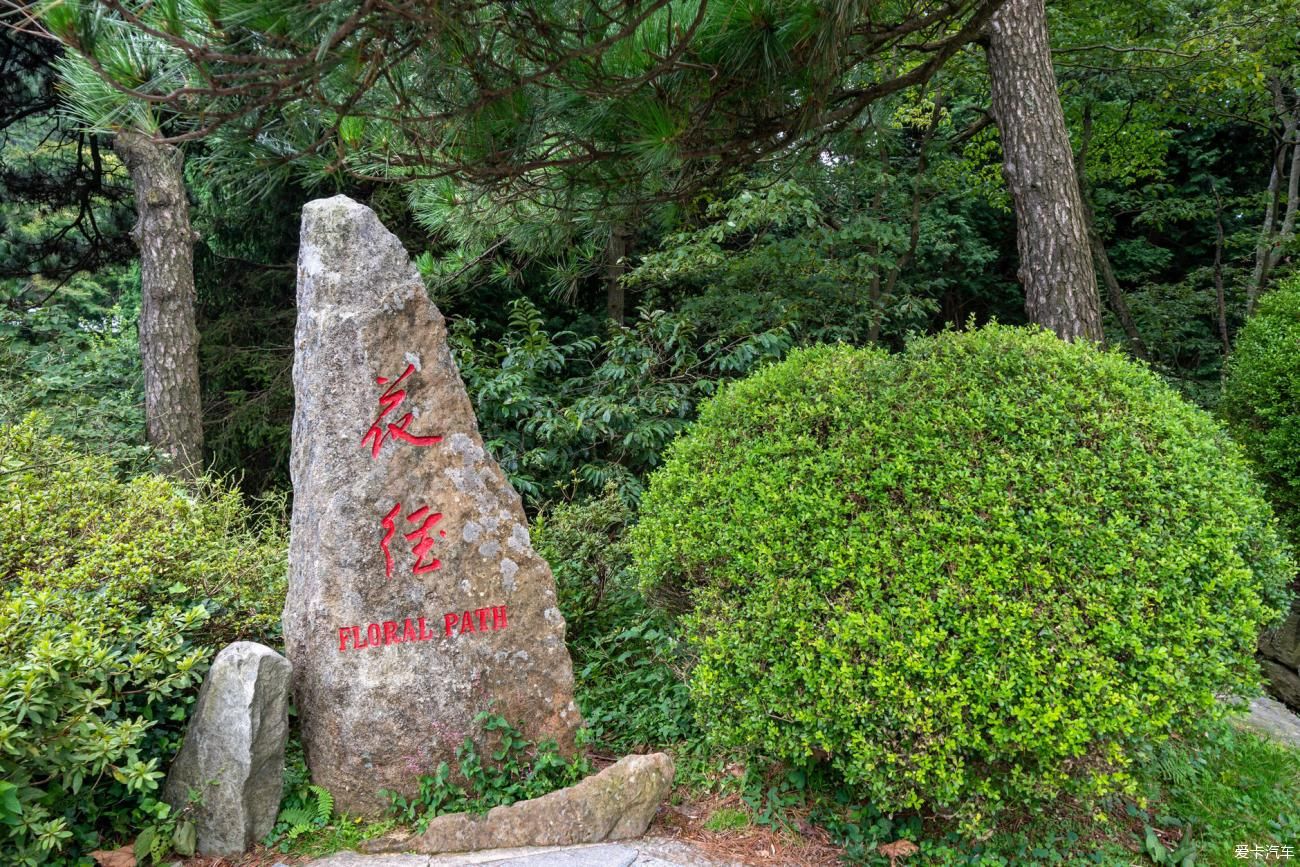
point(415, 598)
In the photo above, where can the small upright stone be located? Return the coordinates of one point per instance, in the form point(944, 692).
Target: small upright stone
point(416, 600)
point(233, 754)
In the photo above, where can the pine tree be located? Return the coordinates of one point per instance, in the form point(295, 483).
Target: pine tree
point(96, 91)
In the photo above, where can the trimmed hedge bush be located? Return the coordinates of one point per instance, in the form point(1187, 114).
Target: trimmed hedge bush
point(116, 595)
point(1261, 398)
point(985, 571)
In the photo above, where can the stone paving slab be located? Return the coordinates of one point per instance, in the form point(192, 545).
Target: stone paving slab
point(598, 856)
point(646, 852)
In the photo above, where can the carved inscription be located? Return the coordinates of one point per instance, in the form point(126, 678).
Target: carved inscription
point(414, 629)
point(421, 539)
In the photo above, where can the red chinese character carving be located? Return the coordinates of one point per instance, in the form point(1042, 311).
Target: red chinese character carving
point(422, 541)
point(389, 401)
point(391, 528)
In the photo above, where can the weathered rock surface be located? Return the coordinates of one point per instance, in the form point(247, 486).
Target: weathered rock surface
point(233, 754)
point(1274, 719)
point(1279, 651)
point(617, 804)
point(415, 598)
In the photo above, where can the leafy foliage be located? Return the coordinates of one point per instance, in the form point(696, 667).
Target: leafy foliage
point(860, 250)
point(629, 98)
point(307, 823)
point(1231, 787)
point(62, 192)
point(627, 658)
point(979, 573)
point(76, 358)
point(1261, 398)
point(116, 594)
point(306, 807)
point(565, 414)
point(513, 770)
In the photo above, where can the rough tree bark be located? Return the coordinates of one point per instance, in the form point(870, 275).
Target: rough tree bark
point(169, 341)
point(1056, 266)
point(615, 264)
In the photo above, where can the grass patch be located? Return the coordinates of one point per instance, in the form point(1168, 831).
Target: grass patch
point(727, 819)
point(1236, 788)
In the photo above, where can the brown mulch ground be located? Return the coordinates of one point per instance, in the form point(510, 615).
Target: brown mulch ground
point(259, 857)
point(753, 845)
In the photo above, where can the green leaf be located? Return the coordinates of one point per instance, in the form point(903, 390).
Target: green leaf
point(144, 843)
point(1155, 848)
point(10, 807)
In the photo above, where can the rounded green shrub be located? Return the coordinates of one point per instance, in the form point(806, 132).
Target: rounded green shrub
point(985, 571)
point(116, 595)
point(1261, 398)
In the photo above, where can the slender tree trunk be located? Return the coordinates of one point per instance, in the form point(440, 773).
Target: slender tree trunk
point(1268, 252)
point(615, 265)
point(1257, 277)
point(169, 341)
point(1292, 200)
point(1051, 233)
point(1220, 295)
point(874, 287)
point(1114, 293)
point(882, 297)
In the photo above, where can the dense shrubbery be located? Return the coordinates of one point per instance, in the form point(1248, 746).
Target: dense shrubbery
point(980, 572)
point(566, 415)
point(626, 656)
point(116, 595)
point(1261, 398)
point(76, 357)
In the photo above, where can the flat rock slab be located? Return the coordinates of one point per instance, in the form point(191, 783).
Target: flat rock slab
point(1270, 717)
point(616, 804)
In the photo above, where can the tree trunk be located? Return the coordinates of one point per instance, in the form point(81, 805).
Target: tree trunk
point(1268, 252)
point(169, 341)
point(1051, 233)
point(882, 297)
point(1114, 292)
point(1266, 234)
point(1220, 295)
point(615, 265)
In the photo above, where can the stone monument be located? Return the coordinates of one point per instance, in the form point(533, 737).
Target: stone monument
point(415, 599)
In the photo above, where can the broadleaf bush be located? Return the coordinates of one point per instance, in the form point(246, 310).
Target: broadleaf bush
point(1261, 398)
point(116, 596)
point(987, 571)
point(627, 656)
point(567, 415)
